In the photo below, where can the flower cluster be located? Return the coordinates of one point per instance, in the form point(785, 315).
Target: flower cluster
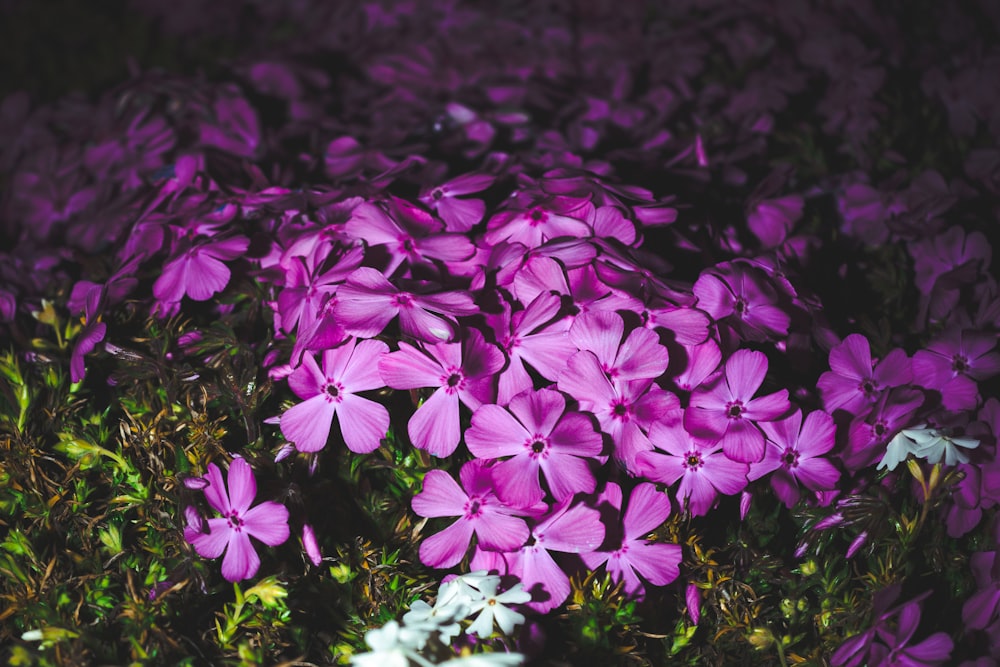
point(571, 305)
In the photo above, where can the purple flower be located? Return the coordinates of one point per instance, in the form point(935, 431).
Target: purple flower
point(869, 434)
point(983, 606)
point(771, 220)
point(855, 382)
point(459, 215)
point(267, 522)
point(723, 408)
point(636, 556)
point(332, 391)
point(743, 297)
point(567, 528)
point(198, 272)
point(638, 357)
point(539, 436)
point(794, 455)
point(953, 363)
point(704, 470)
point(367, 302)
point(480, 512)
point(459, 372)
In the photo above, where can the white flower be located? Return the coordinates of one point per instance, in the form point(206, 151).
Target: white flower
point(392, 646)
point(942, 446)
point(902, 445)
point(492, 608)
point(926, 443)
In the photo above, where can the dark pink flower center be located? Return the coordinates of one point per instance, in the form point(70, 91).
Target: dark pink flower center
point(693, 460)
point(235, 522)
point(959, 363)
point(402, 300)
point(407, 244)
point(537, 216)
point(538, 445)
point(879, 428)
point(868, 387)
point(437, 194)
point(790, 458)
point(740, 306)
point(473, 508)
point(620, 410)
point(333, 390)
point(734, 409)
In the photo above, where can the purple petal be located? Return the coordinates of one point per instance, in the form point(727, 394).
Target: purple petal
point(852, 358)
point(567, 476)
point(241, 560)
point(212, 543)
point(495, 433)
point(204, 276)
point(446, 549)
point(658, 563)
point(215, 492)
point(434, 426)
point(307, 380)
point(743, 442)
point(818, 434)
point(641, 356)
point(539, 411)
point(516, 481)
point(242, 485)
point(772, 406)
point(307, 424)
point(363, 423)
point(647, 510)
point(268, 522)
point(501, 532)
point(409, 368)
point(575, 434)
point(745, 372)
point(659, 467)
point(441, 496)
point(599, 332)
point(576, 530)
point(361, 373)
point(817, 474)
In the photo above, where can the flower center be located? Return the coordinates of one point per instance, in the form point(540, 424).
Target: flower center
point(868, 387)
point(693, 460)
point(790, 458)
point(734, 410)
point(879, 428)
point(402, 300)
point(453, 380)
point(740, 306)
point(473, 508)
point(332, 390)
point(537, 216)
point(235, 522)
point(538, 446)
point(437, 194)
point(959, 363)
point(620, 410)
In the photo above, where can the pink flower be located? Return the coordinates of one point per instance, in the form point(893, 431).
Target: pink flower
point(367, 302)
point(854, 382)
point(635, 556)
point(199, 272)
point(567, 528)
point(953, 363)
point(332, 391)
point(745, 298)
point(480, 512)
point(459, 215)
point(459, 372)
point(268, 522)
point(723, 409)
point(704, 470)
point(794, 455)
point(638, 357)
point(539, 436)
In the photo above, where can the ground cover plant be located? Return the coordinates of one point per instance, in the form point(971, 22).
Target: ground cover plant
point(531, 333)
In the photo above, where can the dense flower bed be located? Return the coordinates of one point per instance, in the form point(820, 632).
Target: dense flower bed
point(636, 332)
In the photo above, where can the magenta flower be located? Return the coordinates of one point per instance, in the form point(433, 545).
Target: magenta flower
point(459, 215)
point(794, 455)
point(855, 381)
point(723, 408)
point(534, 336)
point(267, 522)
point(332, 392)
point(567, 528)
point(623, 409)
point(459, 372)
point(198, 272)
point(539, 436)
point(481, 514)
point(743, 297)
point(771, 220)
point(367, 302)
point(869, 434)
point(703, 470)
point(636, 556)
point(533, 227)
point(638, 357)
point(954, 362)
